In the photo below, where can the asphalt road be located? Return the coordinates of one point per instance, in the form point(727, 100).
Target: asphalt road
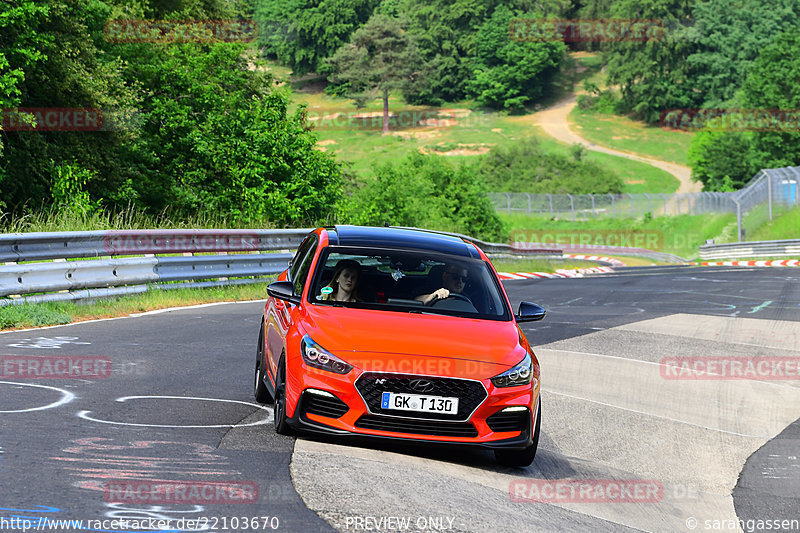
point(177, 406)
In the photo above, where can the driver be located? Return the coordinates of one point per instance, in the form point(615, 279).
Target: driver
point(454, 279)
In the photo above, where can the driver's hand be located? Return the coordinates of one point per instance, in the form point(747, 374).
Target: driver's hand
point(440, 294)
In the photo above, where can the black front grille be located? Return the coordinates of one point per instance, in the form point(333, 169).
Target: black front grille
point(505, 421)
point(417, 427)
point(323, 406)
point(372, 385)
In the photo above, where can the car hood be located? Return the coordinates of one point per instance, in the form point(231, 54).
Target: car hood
point(373, 339)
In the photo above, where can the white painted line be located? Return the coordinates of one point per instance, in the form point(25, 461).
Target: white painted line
point(85, 414)
point(66, 397)
point(658, 416)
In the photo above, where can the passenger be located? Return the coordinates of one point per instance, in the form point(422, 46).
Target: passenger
point(344, 284)
point(454, 279)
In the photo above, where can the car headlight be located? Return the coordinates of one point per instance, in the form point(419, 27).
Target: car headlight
point(318, 357)
point(521, 374)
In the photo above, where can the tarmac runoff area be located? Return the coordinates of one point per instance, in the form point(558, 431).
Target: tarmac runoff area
point(613, 410)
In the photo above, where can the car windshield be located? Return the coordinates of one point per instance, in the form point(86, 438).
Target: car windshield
point(408, 281)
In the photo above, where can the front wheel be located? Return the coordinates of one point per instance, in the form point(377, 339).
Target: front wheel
point(525, 456)
point(260, 390)
point(279, 409)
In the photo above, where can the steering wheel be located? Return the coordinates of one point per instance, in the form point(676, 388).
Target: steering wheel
point(455, 295)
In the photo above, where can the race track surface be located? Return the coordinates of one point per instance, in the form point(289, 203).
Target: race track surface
point(174, 403)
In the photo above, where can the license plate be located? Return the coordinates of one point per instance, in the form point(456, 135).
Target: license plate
point(419, 402)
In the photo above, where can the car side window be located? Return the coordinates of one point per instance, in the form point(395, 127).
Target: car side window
point(299, 279)
point(297, 260)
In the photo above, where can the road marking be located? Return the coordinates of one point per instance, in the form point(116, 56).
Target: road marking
point(758, 308)
point(65, 398)
point(46, 343)
point(268, 419)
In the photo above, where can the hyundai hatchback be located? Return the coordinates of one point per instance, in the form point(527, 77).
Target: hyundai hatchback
point(399, 334)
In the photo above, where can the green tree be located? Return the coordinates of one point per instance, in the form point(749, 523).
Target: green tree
point(730, 36)
point(721, 160)
point(67, 70)
point(510, 74)
point(220, 138)
point(380, 57)
point(654, 75)
point(446, 33)
point(426, 191)
point(773, 83)
point(19, 46)
point(303, 33)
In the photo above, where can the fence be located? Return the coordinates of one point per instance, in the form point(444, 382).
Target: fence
point(111, 263)
point(770, 193)
point(591, 206)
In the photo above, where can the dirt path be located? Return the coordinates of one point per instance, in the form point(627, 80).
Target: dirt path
point(555, 123)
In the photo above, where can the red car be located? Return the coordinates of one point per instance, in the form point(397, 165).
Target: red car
point(399, 334)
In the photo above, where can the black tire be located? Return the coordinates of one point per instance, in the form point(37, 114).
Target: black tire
point(260, 390)
point(525, 456)
point(279, 407)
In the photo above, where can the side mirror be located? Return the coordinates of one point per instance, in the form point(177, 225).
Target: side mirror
point(283, 290)
point(529, 312)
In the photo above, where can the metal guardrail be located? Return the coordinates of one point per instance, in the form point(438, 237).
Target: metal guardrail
point(66, 276)
point(783, 248)
point(19, 247)
point(126, 262)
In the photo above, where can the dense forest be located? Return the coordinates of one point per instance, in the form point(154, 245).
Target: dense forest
point(182, 124)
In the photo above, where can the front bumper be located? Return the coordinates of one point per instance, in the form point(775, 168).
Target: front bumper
point(344, 413)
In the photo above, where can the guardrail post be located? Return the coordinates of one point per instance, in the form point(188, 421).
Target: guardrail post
point(613, 213)
point(529, 203)
point(648, 203)
point(572, 206)
point(594, 211)
point(769, 195)
point(738, 219)
point(508, 203)
point(631, 198)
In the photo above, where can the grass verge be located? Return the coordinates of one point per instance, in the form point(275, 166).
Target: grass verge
point(785, 226)
point(624, 134)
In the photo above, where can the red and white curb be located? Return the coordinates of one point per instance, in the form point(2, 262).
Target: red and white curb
point(775, 263)
point(615, 262)
point(505, 276)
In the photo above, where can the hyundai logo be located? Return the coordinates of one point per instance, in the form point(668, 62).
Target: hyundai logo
point(421, 385)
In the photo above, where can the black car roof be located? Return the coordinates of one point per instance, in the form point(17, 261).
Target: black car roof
point(383, 237)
